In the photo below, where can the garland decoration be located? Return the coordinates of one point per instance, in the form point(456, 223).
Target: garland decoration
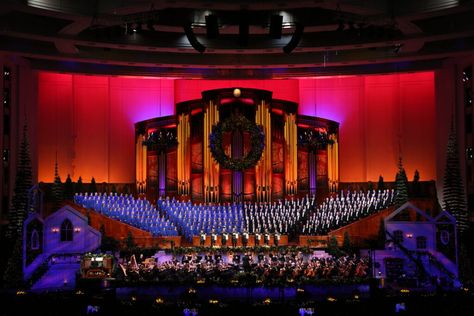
point(314, 139)
point(231, 124)
point(161, 140)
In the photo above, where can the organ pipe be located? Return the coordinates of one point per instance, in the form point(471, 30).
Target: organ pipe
point(333, 164)
point(263, 170)
point(291, 160)
point(184, 153)
point(211, 168)
point(140, 164)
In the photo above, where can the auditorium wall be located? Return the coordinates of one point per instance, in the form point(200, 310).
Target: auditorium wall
point(381, 118)
point(88, 120)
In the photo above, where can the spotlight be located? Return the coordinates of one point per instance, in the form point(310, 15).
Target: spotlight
point(295, 39)
point(276, 23)
point(212, 26)
point(137, 28)
point(193, 40)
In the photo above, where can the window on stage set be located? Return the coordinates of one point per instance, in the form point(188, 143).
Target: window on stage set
point(66, 230)
point(398, 236)
point(34, 240)
point(421, 242)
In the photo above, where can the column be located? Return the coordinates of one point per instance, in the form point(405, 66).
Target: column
point(162, 173)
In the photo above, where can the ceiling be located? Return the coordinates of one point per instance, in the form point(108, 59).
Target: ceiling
point(317, 37)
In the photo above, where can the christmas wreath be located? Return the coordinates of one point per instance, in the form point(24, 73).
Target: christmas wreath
point(237, 123)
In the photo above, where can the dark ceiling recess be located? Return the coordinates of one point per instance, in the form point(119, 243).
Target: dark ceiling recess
point(193, 40)
point(243, 30)
point(212, 26)
point(295, 39)
point(311, 36)
point(276, 23)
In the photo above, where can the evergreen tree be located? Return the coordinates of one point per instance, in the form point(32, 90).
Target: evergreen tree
point(79, 186)
point(380, 184)
point(126, 190)
point(107, 243)
point(381, 235)
point(453, 190)
point(68, 188)
point(129, 242)
point(416, 176)
point(23, 183)
point(57, 189)
point(333, 248)
point(370, 186)
point(93, 186)
point(346, 244)
point(401, 183)
point(416, 183)
point(13, 274)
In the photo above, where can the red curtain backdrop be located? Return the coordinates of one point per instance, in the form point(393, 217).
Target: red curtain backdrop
point(89, 120)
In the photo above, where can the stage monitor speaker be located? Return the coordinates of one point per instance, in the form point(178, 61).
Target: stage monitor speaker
point(295, 39)
point(212, 26)
point(276, 23)
point(193, 40)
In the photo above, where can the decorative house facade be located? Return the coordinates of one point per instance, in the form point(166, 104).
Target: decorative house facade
point(65, 233)
point(418, 246)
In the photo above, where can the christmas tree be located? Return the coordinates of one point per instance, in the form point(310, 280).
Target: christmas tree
point(68, 188)
point(57, 188)
point(23, 183)
point(13, 274)
point(401, 183)
point(416, 183)
point(79, 187)
point(346, 244)
point(381, 237)
point(380, 184)
point(93, 186)
point(453, 190)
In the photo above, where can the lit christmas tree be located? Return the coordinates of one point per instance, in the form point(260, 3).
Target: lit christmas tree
point(401, 184)
point(453, 190)
point(23, 183)
point(57, 188)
